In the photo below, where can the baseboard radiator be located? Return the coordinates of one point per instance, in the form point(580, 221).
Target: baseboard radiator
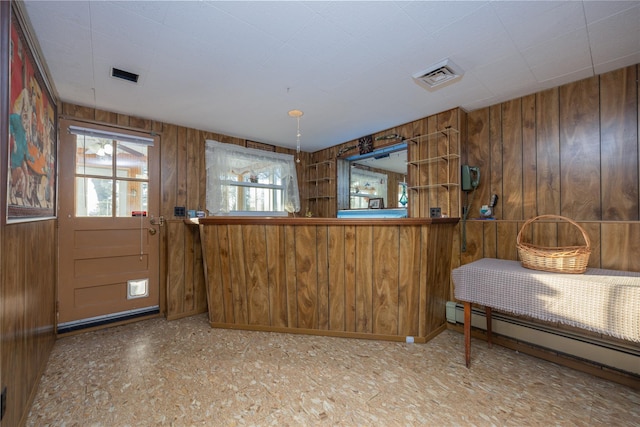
point(618, 356)
point(106, 319)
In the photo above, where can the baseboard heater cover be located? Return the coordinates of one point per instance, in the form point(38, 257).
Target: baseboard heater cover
point(91, 322)
point(621, 357)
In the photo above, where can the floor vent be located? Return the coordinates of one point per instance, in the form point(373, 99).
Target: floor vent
point(611, 354)
point(438, 75)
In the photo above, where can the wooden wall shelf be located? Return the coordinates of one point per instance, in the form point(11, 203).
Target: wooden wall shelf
point(434, 168)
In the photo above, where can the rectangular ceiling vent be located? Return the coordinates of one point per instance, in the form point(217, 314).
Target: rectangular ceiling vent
point(438, 75)
point(124, 75)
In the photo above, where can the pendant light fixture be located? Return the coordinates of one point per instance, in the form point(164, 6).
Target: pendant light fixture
point(296, 114)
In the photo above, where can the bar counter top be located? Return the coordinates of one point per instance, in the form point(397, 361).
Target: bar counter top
point(260, 220)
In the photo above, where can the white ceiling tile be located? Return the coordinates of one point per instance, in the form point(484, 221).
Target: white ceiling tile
point(356, 17)
point(434, 16)
point(287, 66)
point(281, 21)
point(74, 12)
point(621, 62)
point(153, 10)
point(418, 98)
point(566, 78)
point(559, 56)
point(227, 36)
point(597, 10)
point(344, 60)
point(480, 25)
point(535, 28)
point(68, 61)
point(615, 36)
point(319, 37)
point(505, 74)
point(390, 42)
point(193, 17)
point(469, 87)
point(484, 53)
point(62, 31)
point(509, 11)
point(121, 24)
point(77, 81)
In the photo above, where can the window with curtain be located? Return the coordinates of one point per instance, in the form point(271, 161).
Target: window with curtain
point(247, 181)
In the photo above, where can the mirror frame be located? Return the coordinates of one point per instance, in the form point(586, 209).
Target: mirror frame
point(344, 171)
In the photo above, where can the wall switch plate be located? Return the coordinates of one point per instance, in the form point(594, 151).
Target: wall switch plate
point(179, 211)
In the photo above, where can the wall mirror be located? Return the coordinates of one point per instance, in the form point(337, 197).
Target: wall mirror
point(378, 174)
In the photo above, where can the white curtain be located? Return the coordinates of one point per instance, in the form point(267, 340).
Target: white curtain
point(226, 162)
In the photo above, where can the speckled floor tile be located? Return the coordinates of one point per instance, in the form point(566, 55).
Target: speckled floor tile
point(184, 373)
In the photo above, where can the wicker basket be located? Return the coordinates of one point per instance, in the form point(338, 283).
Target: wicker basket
point(564, 259)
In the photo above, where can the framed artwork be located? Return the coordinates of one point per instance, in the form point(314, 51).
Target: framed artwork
point(376, 203)
point(32, 116)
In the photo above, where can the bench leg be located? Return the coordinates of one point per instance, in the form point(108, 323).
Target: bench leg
point(487, 311)
point(467, 333)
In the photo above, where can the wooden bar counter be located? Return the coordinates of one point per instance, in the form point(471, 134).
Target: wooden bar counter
point(365, 278)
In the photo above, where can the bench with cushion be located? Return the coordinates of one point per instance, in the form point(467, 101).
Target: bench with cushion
point(602, 301)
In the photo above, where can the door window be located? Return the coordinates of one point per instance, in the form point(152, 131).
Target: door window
point(111, 174)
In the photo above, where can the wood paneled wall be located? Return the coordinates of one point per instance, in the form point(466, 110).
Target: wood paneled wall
point(573, 151)
point(27, 299)
point(27, 268)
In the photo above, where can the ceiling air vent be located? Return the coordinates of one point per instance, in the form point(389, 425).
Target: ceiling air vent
point(438, 75)
point(124, 75)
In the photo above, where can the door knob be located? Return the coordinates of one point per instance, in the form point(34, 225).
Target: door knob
point(152, 231)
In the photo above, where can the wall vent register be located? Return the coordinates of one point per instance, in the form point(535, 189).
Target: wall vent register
point(124, 75)
point(438, 75)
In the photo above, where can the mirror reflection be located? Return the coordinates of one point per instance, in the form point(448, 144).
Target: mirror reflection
point(379, 174)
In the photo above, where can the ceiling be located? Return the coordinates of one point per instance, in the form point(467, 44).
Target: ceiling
point(238, 67)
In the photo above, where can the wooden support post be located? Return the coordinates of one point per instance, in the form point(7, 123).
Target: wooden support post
point(467, 333)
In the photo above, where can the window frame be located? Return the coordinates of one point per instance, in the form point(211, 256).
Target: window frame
point(220, 157)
